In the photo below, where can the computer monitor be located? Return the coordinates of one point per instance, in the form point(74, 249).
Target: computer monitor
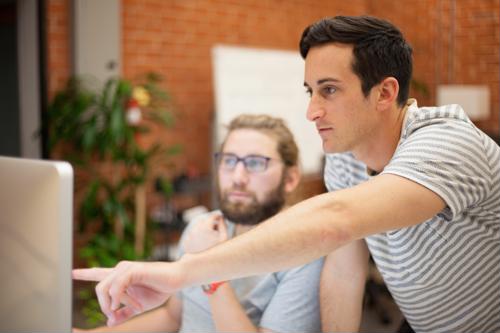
point(36, 200)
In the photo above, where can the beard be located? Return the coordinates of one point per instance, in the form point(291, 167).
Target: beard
point(254, 212)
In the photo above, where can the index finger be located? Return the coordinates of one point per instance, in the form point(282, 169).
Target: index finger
point(90, 274)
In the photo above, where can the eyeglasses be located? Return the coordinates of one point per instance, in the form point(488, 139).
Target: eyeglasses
point(252, 163)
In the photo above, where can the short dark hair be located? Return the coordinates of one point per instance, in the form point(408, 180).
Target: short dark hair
point(379, 49)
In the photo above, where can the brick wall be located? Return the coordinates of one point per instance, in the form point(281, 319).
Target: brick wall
point(58, 44)
point(175, 38)
point(453, 41)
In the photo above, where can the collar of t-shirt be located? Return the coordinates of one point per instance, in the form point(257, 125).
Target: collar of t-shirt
point(409, 102)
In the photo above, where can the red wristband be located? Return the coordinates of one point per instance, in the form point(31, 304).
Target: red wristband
point(211, 288)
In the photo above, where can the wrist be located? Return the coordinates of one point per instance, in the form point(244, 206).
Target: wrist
point(210, 289)
point(196, 270)
point(185, 266)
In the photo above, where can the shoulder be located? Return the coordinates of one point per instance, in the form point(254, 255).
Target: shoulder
point(441, 149)
point(447, 129)
point(452, 117)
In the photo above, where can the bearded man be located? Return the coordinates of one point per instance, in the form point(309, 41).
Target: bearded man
point(257, 166)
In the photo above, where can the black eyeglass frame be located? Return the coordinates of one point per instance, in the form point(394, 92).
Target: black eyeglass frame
point(218, 158)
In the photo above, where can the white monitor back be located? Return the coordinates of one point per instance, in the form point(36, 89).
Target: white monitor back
point(36, 200)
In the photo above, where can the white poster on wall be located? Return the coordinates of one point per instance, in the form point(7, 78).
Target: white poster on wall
point(249, 80)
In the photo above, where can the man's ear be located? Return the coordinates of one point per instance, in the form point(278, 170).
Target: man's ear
point(388, 93)
point(292, 178)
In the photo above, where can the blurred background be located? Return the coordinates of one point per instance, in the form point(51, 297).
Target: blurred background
point(127, 91)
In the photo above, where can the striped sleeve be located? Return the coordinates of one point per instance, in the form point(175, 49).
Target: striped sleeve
point(447, 157)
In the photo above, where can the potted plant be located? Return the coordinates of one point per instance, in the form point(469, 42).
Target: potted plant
point(99, 131)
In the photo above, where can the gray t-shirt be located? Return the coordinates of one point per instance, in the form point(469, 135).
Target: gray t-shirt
point(285, 301)
point(444, 273)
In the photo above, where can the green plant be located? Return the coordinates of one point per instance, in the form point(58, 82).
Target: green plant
point(99, 131)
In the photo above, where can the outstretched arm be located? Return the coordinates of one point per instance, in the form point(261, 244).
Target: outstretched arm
point(306, 231)
point(316, 227)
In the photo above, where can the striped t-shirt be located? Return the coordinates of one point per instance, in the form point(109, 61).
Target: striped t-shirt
point(443, 273)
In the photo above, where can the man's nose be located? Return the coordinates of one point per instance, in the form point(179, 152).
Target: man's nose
point(315, 109)
point(240, 173)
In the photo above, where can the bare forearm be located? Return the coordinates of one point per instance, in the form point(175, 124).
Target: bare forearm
point(228, 314)
point(341, 309)
point(342, 288)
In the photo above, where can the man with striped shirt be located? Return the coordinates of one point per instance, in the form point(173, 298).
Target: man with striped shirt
point(419, 188)
point(444, 270)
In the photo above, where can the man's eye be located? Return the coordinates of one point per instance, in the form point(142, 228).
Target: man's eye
point(329, 90)
point(309, 92)
point(253, 163)
point(228, 161)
